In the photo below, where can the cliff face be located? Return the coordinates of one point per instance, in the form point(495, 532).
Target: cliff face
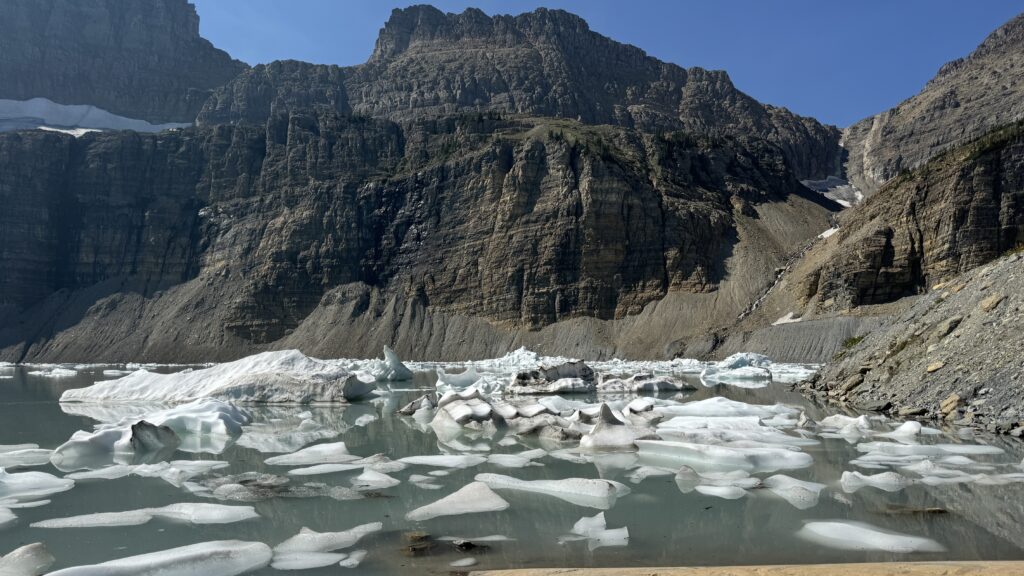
point(959, 211)
point(136, 58)
point(274, 235)
point(966, 99)
point(428, 64)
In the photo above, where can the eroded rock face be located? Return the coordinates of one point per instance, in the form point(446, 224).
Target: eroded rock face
point(966, 99)
point(959, 211)
point(532, 222)
point(428, 64)
point(136, 58)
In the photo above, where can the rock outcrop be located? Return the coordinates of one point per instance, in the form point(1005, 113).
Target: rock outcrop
point(958, 211)
point(968, 98)
point(953, 355)
point(135, 58)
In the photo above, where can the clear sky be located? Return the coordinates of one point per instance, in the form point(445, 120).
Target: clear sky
point(836, 60)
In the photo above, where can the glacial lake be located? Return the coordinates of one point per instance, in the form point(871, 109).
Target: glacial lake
point(667, 527)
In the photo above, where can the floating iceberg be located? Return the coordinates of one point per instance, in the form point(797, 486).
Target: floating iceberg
point(284, 377)
point(847, 535)
point(746, 370)
point(472, 498)
point(182, 512)
point(445, 460)
point(887, 481)
point(25, 458)
point(306, 560)
point(200, 426)
point(219, 558)
point(29, 560)
point(311, 541)
point(29, 486)
point(800, 493)
point(332, 453)
point(592, 493)
point(595, 531)
point(703, 457)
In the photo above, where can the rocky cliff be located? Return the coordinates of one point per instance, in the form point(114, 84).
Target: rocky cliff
point(428, 64)
point(337, 233)
point(479, 184)
point(136, 58)
point(967, 98)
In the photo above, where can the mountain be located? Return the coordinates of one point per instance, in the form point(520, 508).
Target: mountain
point(141, 59)
point(479, 184)
point(546, 63)
point(966, 99)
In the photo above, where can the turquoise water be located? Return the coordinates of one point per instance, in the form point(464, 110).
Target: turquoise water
point(666, 527)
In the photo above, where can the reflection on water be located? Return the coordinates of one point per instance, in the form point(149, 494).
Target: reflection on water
point(666, 527)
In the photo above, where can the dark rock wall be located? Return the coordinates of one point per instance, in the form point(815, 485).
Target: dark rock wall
point(135, 58)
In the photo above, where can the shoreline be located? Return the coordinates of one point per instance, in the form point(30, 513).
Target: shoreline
point(950, 568)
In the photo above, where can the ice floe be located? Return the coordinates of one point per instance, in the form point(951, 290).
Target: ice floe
point(218, 558)
point(29, 560)
point(887, 481)
point(800, 493)
point(312, 541)
point(705, 457)
point(473, 498)
point(849, 535)
point(331, 453)
point(592, 493)
point(595, 531)
point(25, 458)
point(445, 460)
point(29, 486)
point(282, 377)
point(192, 513)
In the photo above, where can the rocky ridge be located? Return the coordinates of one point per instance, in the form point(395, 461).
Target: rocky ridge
point(968, 98)
point(140, 59)
point(428, 64)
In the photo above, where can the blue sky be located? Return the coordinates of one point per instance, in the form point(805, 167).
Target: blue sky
point(836, 60)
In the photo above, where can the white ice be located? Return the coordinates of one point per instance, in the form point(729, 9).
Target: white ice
point(306, 560)
point(445, 460)
point(472, 498)
point(592, 493)
point(887, 481)
point(311, 541)
point(595, 530)
point(47, 113)
point(330, 453)
point(281, 377)
point(848, 535)
point(29, 560)
point(192, 513)
point(28, 486)
point(25, 458)
point(704, 457)
point(372, 480)
point(219, 558)
point(800, 493)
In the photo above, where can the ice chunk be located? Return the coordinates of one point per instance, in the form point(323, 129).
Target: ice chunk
point(470, 499)
point(610, 434)
point(721, 406)
point(29, 560)
point(801, 494)
point(593, 493)
point(396, 370)
point(306, 560)
point(704, 457)
point(7, 517)
point(745, 369)
point(888, 481)
point(458, 381)
point(193, 513)
point(848, 535)
point(25, 458)
point(332, 453)
point(28, 486)
point(54, 372)
point(354, 559)
point(371, 480)
point(5, 448)
point(725, 492)
point(463, 563)
point(282, 377)
point(897, 449)
point(324, 469)
point(520, 460)
point(311, 541)
point(218, 558)
point(595, 530)
point(445, 460)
